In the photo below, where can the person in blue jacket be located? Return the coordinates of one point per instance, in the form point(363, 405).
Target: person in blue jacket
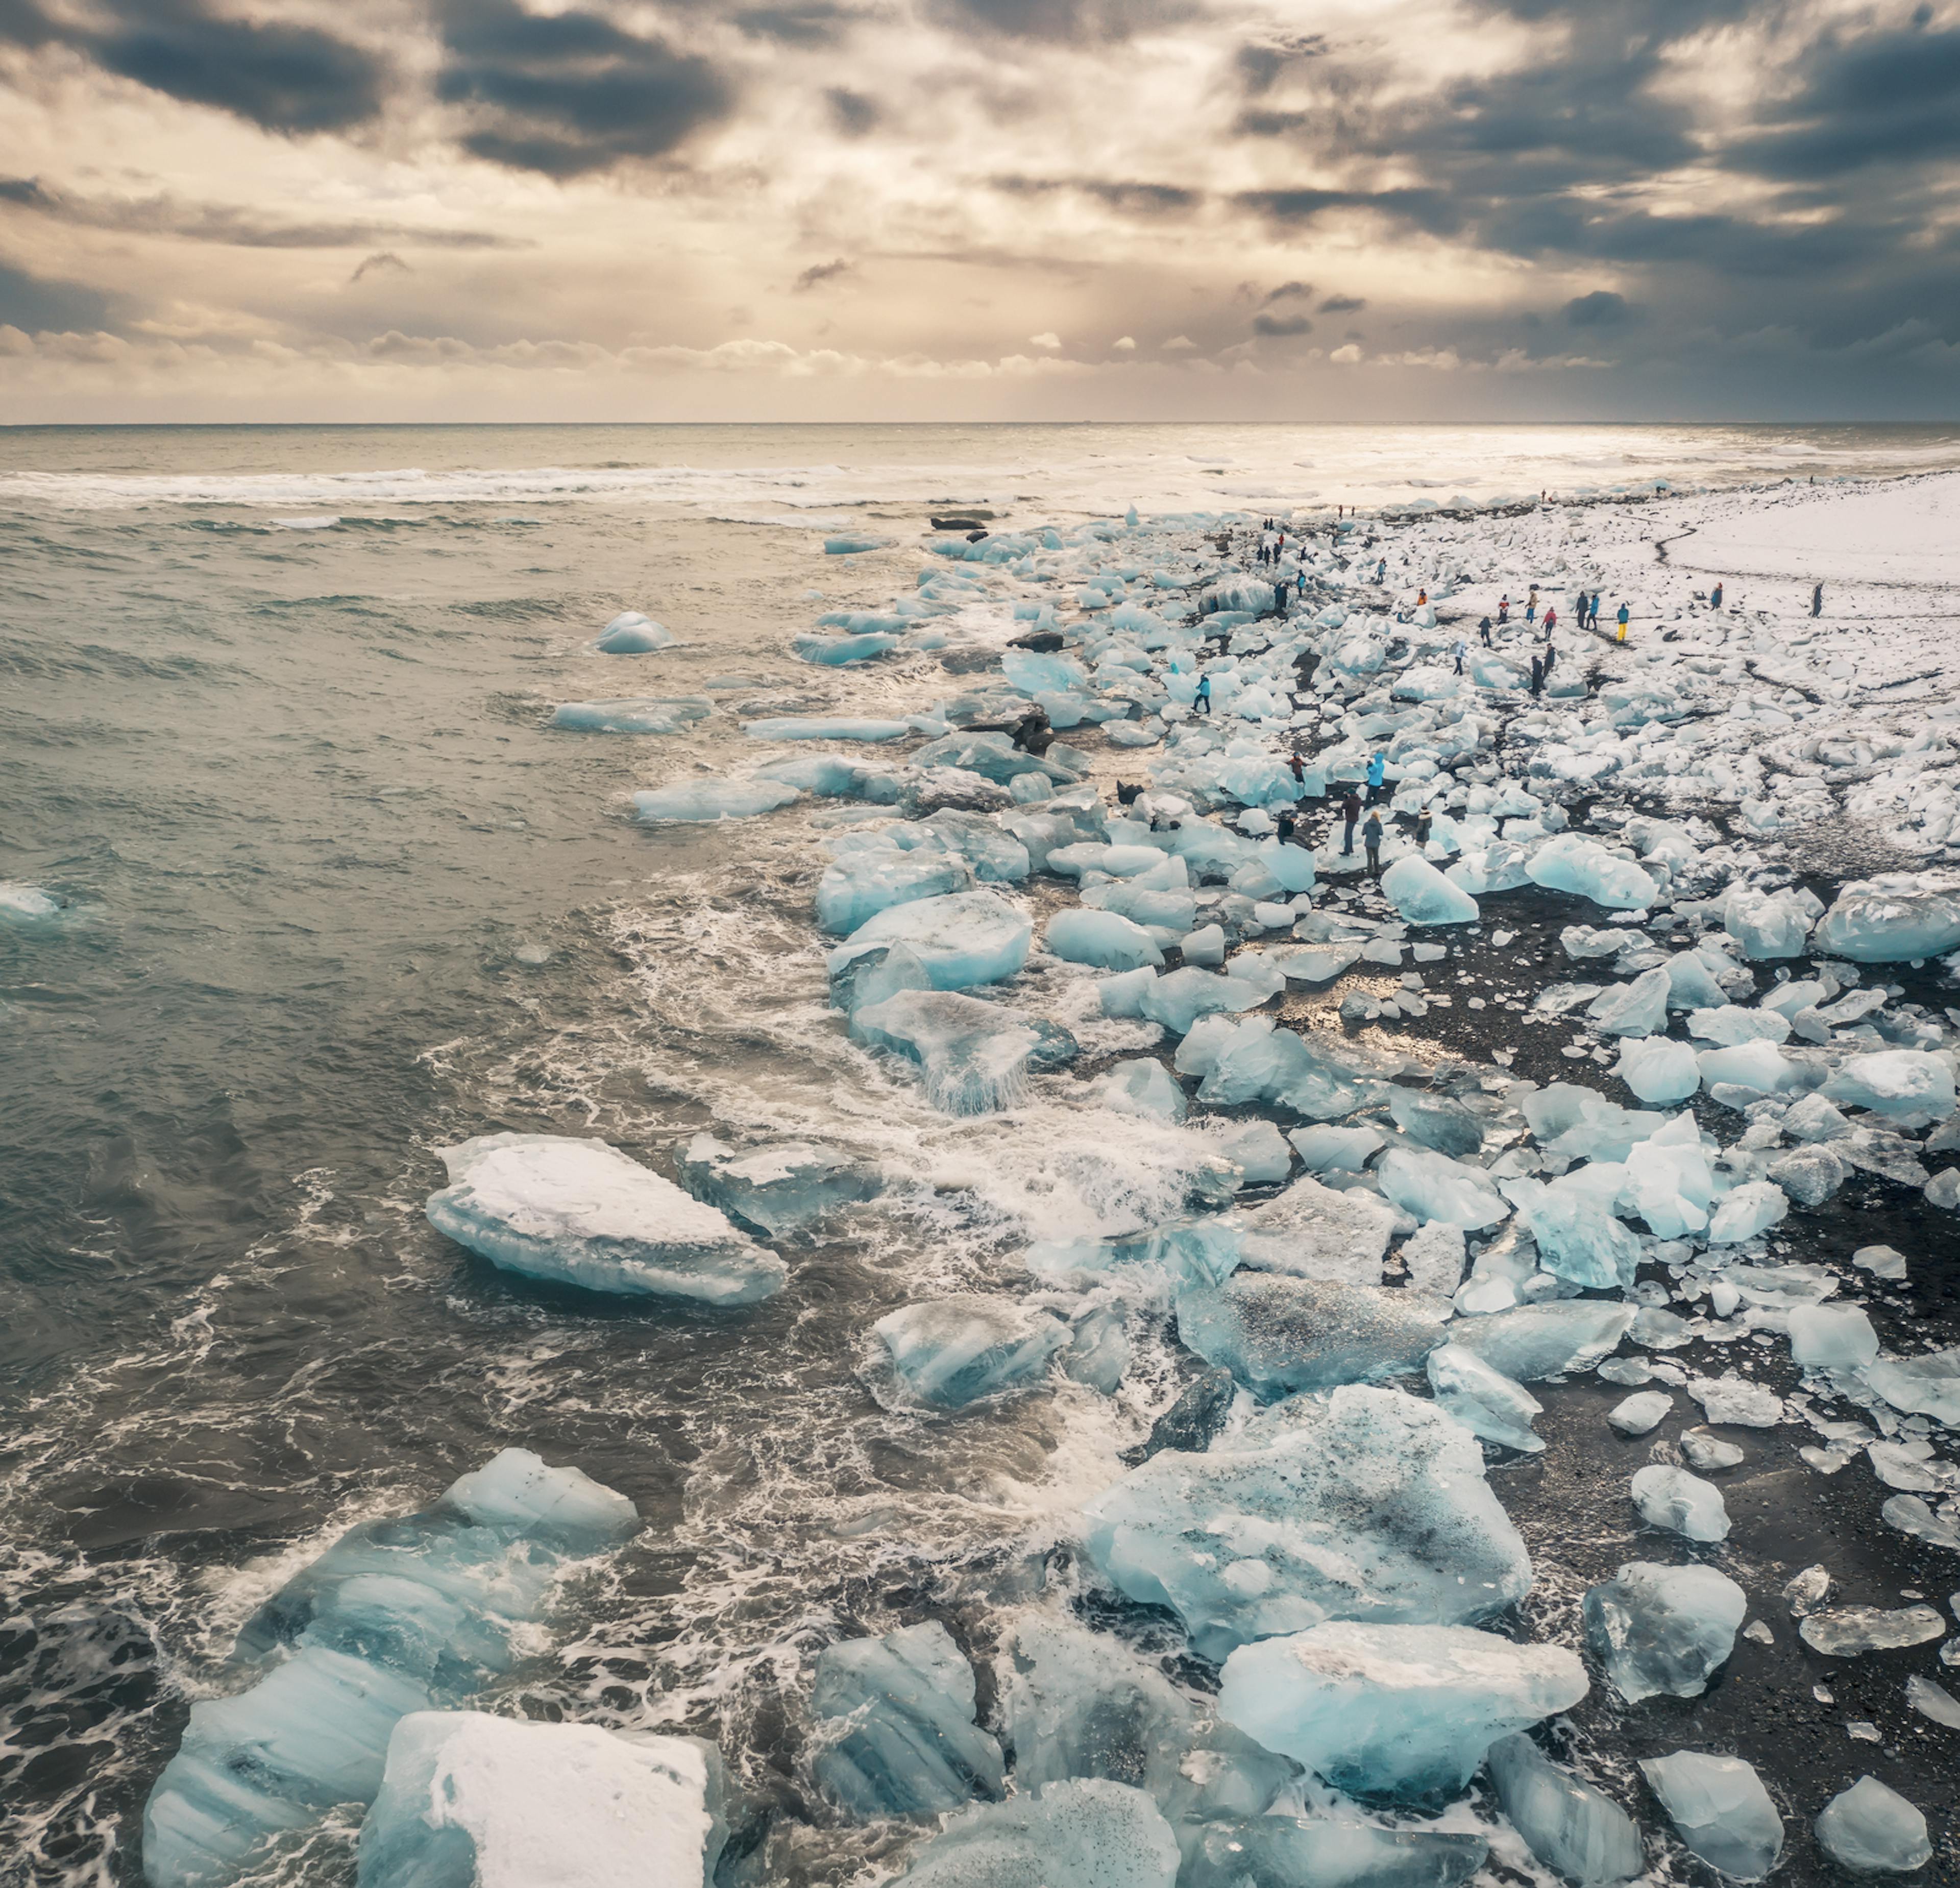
point(1378, 768)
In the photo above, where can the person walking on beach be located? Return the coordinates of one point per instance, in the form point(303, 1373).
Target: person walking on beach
point(1625, 616)
point(1371, 837)
point(1596, 609)
point(1201, 702)
point(1817, 601)
point(1422, 830)
point(1351, 812)
point(1503, 610)
point(1483, 630)
point(1537, 678)
point(1550, 623)
point(1381, 570)
point(1378, 768)
point(1551, 656)
point(1463, 650)
point(1298, 767)
point(1531, 609)
point(1715, 597)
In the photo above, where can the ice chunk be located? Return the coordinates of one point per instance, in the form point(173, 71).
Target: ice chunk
point(1437, 1122)
point(580, 1212)
point(1767, 924)
point(1102, 938)
point(637, 715)
point(1660, 1629)
point(895, 1726)
point(874, 976)
point(834, 777)
point(1911, 1515)
point(630, 633)
point(948, 1352)
point(858, 886)
point(1535, 1342)
point(1731, 1023)
point(1403, 1713)
point(1327, 1150)
point(24, 905)
point(1657, 1070)
point(1721, 1809)
point(964, 939)
point(1810, 1175)
point(1813, 1118)
point(1705, 1453)
point(1143, 1088)
point(837, 652)
point(1424, 896)
point(777, 1188)
point(1872, 1830)
point(1370, 1505)
point(1581, 1124)
point(1910, 1087)
point(1641, 1413)
point(1669, 1181)
point(1315, 1232)
point(1682, 1503)
point(1278, 1334)
point(1891, 918)
point(1932, 1700)
point(1075, 1703)
point(1847, 1632)
point(1433, 1257)
point(976, 1056)
point(1484, 1401)
point(1084, 1833)
point(1431, 1186)
point(872, 728)
point(1578, 1237)
point(1638, 1009)
point(473, 1801)
point(1747, 1211)
point(698, 802)
point(1574, 1829)
point(1732, 1399)
point(1927, 1385)
point(1179, 999)
point(398, 1615)
point(1831, 1337)
point(1258, 1150)
point(1286, 1852)
point(1759, 1066)
point(1568, 863)
point(993, 756)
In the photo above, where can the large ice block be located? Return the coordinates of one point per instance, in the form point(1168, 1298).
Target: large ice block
point(778, 1187)
point(1179, 1000)
point(1084, 1833)
point(1483, 1400)
point(1578, 1831)
point(699, 802)
point(1395, 1713)
point(976, 1056)
point(1767, 924)
point(1102, 938)
point(580, 1212)
point(895, 1729)
point(963, 939)
point(1313, 1232)
point(1872, 1830)
point(1570, 863)
point(1288, 1852)
point(398, 1615)
point(855, 888)
point(1722, 1811)
point(1432, 1186)
point(1277, 1333)
point(1657, 1070)
point(1683, 1503)
point(1424, 896)
point(1370, 1505)
point(945, 1353)
point(636, 714)
point(1891, 918)
point(1537, 1343)
point(473, 1801)
point(1910, 1087)
point(1663, 1629)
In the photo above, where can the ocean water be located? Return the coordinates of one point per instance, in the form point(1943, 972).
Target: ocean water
point(274, 708)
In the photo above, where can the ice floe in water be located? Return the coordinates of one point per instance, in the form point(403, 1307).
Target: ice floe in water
point(635, 714)
point(580, 1212)
point(1082, 1833)
point(630, 633)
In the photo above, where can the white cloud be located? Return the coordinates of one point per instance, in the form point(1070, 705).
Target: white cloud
point(1049, 340)
point(1179, 344)
point(1348, 356)
point(1126, 346)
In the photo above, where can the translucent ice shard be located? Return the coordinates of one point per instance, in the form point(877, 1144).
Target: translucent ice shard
point(637, 715)
point(698, 802)
point(976, 1056)
point(776, 1188)
point(1085, 1833)
point(1371, 1505)
point(964, 939)
point(948, 1352)
point(1483, 1400)
point(1682, 1503)
point(1102, 938)
point(398, 1616)
point(1871, 1830)
point(895, 1726)
point(1313, 1232)
point(1891, 918)
point(1537, 1342)
point(855, 888)
point(1277, 1333)
point(580, 1212)
point(1424, 896)
point(1577, 1831)
point(1433, 1186)
point(1402, 1713)
point(1831, 1337)
point(1929, 1385)
point(630, 633)
point(1846, 1631)
point(474, 1801)
point(1660, 1629)
point(1569, 863)
point(1287, 1851)
point(1721, 1809)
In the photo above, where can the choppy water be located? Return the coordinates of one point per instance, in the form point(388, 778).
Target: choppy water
point(272, 712)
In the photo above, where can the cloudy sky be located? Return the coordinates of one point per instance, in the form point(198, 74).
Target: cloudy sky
point(826, 209)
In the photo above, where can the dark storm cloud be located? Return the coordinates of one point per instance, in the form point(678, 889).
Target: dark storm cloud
point(1343, 305)
point(1601, 309)
point(815, 24)
point(227, 223)
point(1074, 22)
point(818, 273)
point(283, 77)
point(1277, 325)
point(33, 303)
point(852, 112)
point(568, 93)
point(1128, 198)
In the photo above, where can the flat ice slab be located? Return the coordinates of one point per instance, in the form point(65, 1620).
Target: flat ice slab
point(962, 939)
point(1084, 1833)
point(473, 1801)
point(635, 714)
point(580, 1212)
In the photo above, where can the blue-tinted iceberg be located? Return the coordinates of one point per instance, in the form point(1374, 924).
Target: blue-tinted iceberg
point(1660, 1629)
point(27, 905)
point(778, 1188)
point(1179, 1000)
point(1432, 1186)
point(1910, 1087)
point(1535, 1342)
point(1424, 896)
point(834, 777)
point(855, 888)
point(397, 1616)
point(1401, 1713)
point(699, 802)
point(1101, 938)
point(1084, 1833)
point(1872, 1830)
point(1143, 1088)
point(637, 714)
point(470, 1801)
point(1568, 863)
point(630, 633)
point(1574, 1829)
point(948, 1352)
point(1370, 1504)
point(580, 1212)
point(826, 727)
point(976, 1056)
point(1288, 1852)
point(1657, 1070)
point(1278, 1333)
point(1483, 1400)
point(1767, 924)
point(1892, 919)
point(964, 939)
point(895, 1726)
point(837, 652)
point(1721, 1811)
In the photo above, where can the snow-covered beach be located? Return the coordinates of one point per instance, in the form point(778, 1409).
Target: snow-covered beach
point(1223, 1366)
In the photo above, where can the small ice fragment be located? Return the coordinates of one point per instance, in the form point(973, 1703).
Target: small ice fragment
point(1535, 1343)
point(1101, 938)
point(1143, 1086)
point(1722, 1811)
point(1640, 1413)
point(778, 1187)
point(1846, 1631)
point(1660, 1629)
point(1804, 1592)
point(630, 633)
point(701, 802)
point(1432, 1186)
point(1705, 1453)
point(1881, 1261)
point(1683, 1503)
point(1749, 1209)
point(1485, 1402)
point(1731, 1399)
point(1932, 1700)
point(1657, 1070)
point(1871, 1830)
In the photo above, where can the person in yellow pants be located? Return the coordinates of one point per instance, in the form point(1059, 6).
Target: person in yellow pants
point(1624, 613)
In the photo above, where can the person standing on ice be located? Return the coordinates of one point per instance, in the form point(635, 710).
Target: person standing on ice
point(1381, 570)
point(1817, 601)
point(1483, 630)
point(1202, 700)
point(1625, 617)
point(1594, 610)
point(1503, 610)
point(1351, 812)
point(1538, 677)
point(1371, 837)
point(1463, 650)
point(1715, 597)
point(1422, 822)
point(1378, 768)
point(1550, 624)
